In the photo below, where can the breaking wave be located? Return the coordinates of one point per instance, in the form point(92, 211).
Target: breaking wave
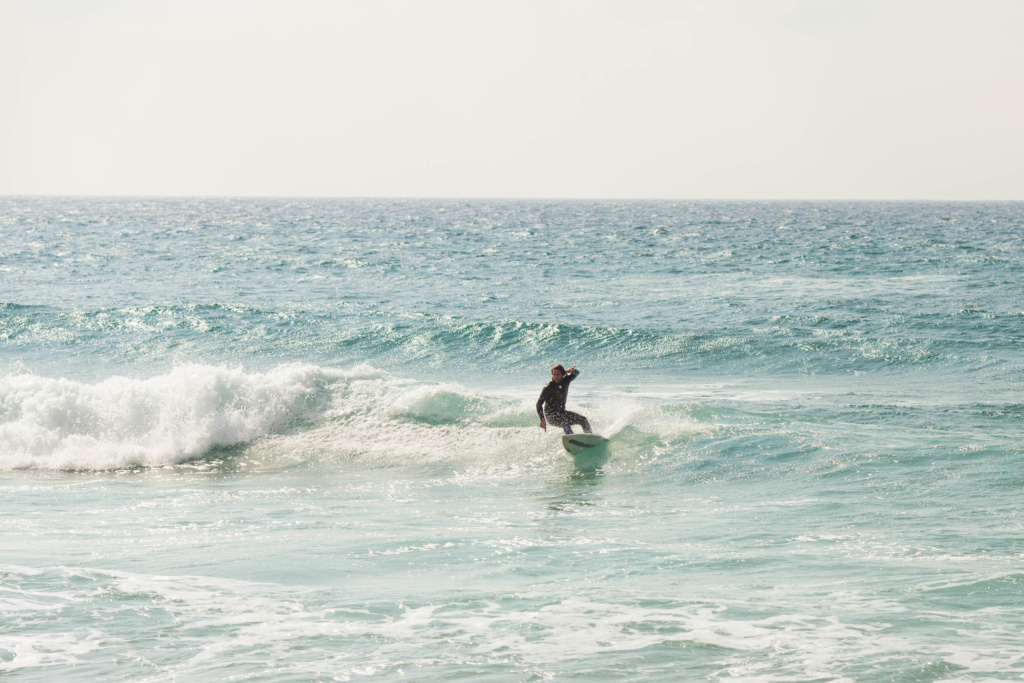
point(324, 414)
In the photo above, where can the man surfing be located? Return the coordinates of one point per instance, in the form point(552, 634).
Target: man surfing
point(551, 404)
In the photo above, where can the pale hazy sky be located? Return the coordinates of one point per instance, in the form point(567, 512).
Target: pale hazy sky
point(814, 99)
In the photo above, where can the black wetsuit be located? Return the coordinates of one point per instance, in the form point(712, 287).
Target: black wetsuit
point(551, 405)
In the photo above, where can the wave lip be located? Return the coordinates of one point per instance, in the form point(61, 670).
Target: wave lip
point(62, 424)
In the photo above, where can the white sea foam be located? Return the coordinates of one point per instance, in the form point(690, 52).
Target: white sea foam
point(385, 420)
point(388, 421)
point(294, 411)
point(254, 628)
point(122, 422)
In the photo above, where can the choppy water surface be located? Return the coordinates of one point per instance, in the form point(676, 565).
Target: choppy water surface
point(295, 440)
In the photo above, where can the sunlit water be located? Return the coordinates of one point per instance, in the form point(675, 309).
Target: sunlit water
point(295, 440)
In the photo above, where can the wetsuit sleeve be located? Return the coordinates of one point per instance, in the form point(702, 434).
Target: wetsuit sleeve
point(574, 375)
point(540, 402)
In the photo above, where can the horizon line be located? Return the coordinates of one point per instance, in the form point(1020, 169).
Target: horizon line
point(34, 195)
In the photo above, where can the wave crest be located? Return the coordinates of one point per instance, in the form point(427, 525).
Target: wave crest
point(122, 422)
point(323, 416)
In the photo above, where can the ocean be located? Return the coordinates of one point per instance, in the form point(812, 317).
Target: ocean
point(295, 440)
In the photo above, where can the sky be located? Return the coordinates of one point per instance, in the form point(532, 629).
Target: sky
point(662, 99)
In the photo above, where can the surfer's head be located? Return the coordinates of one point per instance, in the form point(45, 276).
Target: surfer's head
point(557, 373)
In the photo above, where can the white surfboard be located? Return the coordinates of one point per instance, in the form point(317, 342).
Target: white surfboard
point(582, 443)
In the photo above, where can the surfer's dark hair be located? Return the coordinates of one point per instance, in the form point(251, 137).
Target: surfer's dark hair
point(559, 368)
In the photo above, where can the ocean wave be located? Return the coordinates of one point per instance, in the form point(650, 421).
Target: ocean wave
point(56, 423)
point(315, 414)
point(831, 340)
point(779, 346)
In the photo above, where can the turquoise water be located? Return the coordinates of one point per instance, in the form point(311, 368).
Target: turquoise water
point(294, 440)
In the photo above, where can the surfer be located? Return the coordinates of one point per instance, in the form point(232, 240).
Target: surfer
point(551, 404)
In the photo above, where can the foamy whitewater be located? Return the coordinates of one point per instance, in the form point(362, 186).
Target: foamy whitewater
point(295, 440)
